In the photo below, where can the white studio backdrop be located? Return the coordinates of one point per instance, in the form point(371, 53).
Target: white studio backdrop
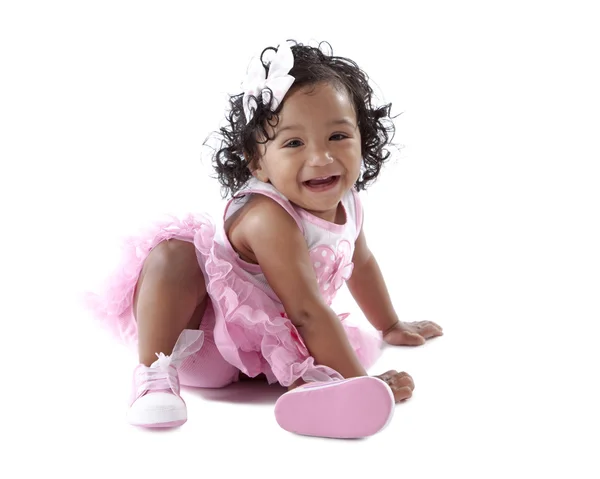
point(485, 220)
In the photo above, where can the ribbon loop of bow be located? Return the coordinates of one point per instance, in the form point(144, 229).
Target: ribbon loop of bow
point(162, 373)
point(189, 342)
point(278, 82)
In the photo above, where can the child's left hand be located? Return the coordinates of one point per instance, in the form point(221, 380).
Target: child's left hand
point(412, 334)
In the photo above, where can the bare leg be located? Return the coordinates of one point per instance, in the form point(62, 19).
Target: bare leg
point(170, 297)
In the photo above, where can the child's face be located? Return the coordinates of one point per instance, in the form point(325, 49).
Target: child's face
point(317, 137)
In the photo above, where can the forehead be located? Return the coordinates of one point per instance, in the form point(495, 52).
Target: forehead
point(317, 103)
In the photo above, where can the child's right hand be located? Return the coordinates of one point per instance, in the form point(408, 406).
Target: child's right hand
point(402, 384)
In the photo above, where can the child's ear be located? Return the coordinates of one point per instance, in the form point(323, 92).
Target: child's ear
point(258, 172)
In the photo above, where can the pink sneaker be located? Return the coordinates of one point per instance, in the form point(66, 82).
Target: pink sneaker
point(157, 402)
point(156, 399)
point(349, 408)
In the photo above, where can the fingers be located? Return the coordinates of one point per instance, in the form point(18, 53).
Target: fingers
point(401, 380)
point(402, 394)
point(413, 334)
point(401, 384)
point(387, 376)
point(398, 337)
point(429, 329)
point(405, 379)
point(411, 339)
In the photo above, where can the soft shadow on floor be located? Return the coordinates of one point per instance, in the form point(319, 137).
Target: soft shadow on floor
point(247, 392)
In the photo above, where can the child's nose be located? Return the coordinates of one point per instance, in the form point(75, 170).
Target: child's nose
point(320, 157)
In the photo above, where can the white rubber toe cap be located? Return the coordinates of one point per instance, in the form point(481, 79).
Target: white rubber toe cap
point(157, 409)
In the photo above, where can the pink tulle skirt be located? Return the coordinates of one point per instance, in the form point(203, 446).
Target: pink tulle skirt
point(251, 331)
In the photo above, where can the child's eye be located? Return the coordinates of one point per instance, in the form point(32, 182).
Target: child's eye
point(293, 144)
point(338, 136)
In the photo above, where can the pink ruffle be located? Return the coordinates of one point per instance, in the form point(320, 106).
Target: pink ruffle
point(113, 305)
point(251, 329)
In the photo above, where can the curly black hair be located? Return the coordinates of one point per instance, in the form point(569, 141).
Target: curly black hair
point(239, 141)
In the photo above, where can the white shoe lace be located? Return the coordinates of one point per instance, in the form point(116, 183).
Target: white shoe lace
point(162, 374)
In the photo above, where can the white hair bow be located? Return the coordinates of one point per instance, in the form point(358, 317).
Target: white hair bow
point(278, 81)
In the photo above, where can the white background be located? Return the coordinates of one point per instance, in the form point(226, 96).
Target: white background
point(486, 222)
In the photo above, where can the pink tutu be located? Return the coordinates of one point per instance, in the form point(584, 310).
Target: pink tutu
point(251, 330)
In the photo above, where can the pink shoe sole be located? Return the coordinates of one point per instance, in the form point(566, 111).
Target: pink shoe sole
point(347, 409)
point(162, 424)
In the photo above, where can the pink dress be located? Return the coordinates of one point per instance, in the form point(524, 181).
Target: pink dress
point(245, 325)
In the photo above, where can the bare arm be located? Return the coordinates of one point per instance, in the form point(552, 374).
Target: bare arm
point(281, 251)
point(368, 288)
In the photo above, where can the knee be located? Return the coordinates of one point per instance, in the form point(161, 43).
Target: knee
point(173, 259)
point(175, 262)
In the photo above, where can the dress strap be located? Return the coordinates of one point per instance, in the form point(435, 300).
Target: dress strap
point(255, 186)
point(358, 211)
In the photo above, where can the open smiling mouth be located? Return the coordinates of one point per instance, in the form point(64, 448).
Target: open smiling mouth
point(322, 184)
